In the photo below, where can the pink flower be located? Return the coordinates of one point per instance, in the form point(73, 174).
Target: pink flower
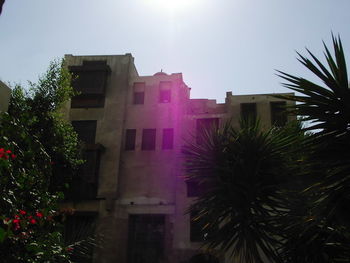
point(39, 214)
point(22, 212)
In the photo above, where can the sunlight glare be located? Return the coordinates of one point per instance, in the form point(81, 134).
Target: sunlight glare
point(172, 5)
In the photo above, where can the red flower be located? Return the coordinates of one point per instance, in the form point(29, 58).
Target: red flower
point(39, 214)
point(32, 221)
point(8, 151)
point(13, 156)
point(16, 221)
point(22, 212)
point(17, 216)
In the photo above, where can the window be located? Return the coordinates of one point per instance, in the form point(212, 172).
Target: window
point(84, 184)
point(168, 139)
point(147, 237)
point(248, 111)
point(164, 96)
point(278, 113)
point(87, 101)
point(90, 81)
point(86, 130)
point(148, 139)
point(204, 127)
point(139, 93)
point(165, 91)
point(130, 139)
point(139, 97)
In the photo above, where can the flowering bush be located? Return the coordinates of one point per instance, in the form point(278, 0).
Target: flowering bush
point(28, 232)
point(38, 149)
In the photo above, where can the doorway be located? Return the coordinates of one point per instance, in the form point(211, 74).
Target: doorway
point(146, 238)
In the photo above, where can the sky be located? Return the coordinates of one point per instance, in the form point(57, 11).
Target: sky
point(218, 45)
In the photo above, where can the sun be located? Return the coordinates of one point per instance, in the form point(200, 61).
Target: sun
point(172, 5)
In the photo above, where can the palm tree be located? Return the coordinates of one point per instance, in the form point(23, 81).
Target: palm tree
point(247, 174)
point(322, 233)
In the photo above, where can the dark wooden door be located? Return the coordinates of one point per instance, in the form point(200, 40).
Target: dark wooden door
point(146, 238)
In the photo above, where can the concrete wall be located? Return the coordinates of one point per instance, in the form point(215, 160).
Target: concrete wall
point(110, 123)
point(5, 94)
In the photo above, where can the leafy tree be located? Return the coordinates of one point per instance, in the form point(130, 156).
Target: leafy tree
point(35, 142)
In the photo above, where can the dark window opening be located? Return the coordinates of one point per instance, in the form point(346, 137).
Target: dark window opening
point(88, 101)
point(165, 91)
point(90, 81)
point(168, 139)
point(139, 93)
point(148, 139)
point(86, 130)
point(130, 137)
point(278, 113)
point(84, 184)
point(205, 127)
point(248, 111)
point(146, 238)
point(139, 97)
point(165, 96)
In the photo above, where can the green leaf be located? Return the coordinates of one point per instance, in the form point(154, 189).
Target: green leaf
point(3, 235)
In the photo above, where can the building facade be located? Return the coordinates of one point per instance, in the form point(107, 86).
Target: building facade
point(5, 95)
point(131, 190)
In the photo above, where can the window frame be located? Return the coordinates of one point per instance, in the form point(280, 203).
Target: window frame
point(139, 98)
point(278, 113)
point(138, 95)
point(245, 111)
point(78, 127)
point(130, 140)
point(149, 143)
point(168, 143)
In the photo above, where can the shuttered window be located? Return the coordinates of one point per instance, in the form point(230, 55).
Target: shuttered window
point(148, 139)
point(86, 130)
point(168, 139)
point(130, 136)
point(278, 113)
point(248, 111)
